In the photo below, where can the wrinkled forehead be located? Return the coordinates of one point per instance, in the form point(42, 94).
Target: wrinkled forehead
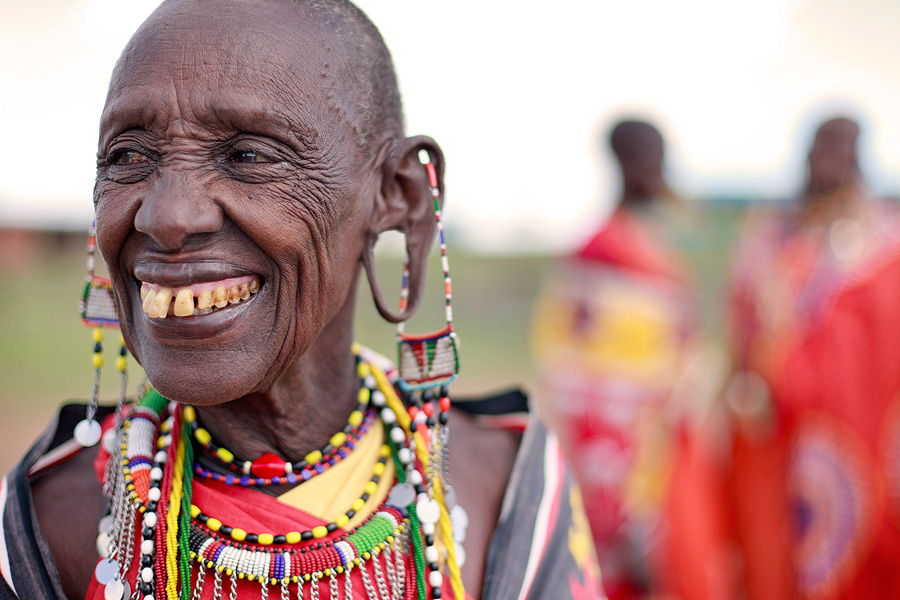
point(221, 56)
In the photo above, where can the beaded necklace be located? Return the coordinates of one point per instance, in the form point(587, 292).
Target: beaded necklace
point(269, 466)
point(151, 481)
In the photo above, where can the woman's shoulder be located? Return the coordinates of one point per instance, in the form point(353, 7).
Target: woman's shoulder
point(51, 503)
point(525, 508)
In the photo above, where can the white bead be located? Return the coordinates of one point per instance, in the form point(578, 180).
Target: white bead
point(149, 519)
point(147, 547)
point(397, 435)
point(156, 474)
point(149, 597)
point(378, 398)
point(288, 468)
point(415, 478)
point(388, 417)
point(435, 579)
point(428, 528)
point(154, 494)
point(160, 457)
point(147, 574)
point(405, 456)
point(431, 554)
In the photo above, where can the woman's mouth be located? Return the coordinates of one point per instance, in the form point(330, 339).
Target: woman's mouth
point(196, 299)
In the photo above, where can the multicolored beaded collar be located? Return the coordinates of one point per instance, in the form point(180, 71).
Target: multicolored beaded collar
point(150, 480)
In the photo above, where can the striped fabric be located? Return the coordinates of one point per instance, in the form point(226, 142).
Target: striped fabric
point(531, 555)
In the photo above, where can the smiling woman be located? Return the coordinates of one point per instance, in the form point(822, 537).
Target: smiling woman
point(250, 155)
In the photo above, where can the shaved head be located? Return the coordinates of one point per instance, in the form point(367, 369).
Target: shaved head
point(358, 73)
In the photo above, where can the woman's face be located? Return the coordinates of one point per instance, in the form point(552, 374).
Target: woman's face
point(229, 179)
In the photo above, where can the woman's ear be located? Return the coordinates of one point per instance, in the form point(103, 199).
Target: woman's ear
point(405, 199)
point(405, 203)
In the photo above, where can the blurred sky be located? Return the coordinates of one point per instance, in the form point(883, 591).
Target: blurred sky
point(516, 92)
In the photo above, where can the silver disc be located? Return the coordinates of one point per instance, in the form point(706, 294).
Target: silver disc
point(459, 518)
point(402, 495)
point(116, 590)
point(103, 544)
point(460, 554)
point(428, 510)
point(449, 497)
point(106, 570)
point(105, 524)
point(109, 440)
point(87, 433)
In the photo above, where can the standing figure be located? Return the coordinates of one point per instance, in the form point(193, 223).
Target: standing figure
point(815, 397)
point(611, 329)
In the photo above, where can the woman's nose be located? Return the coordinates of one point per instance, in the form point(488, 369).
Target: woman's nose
point(176, 207)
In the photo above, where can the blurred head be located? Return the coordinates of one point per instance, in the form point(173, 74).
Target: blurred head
point(832, 158)
point(638, 147)
point(257, 143)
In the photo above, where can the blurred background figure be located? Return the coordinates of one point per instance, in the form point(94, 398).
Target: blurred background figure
point(815, 396)
point(612, 331)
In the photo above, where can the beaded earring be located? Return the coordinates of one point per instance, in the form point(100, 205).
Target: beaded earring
point(428, 364)
point(98, 310)
point(430, 360)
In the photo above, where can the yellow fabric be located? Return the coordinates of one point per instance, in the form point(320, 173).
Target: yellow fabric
point(330, 494)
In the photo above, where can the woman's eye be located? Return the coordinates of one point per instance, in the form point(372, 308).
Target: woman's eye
point(247, 156)
point(129, 157)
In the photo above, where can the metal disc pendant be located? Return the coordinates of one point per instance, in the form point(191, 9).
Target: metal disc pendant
point(106, 570)
point(449, 497)
point(105, 524)
point(459, 518)
point(103, 544)
point(460, 554)
point(87, 433)
point(109, 440)
point(402, 495)
point(116, 590)
point(428, 510)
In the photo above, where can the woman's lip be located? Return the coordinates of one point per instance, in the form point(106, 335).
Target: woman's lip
point(184, 274)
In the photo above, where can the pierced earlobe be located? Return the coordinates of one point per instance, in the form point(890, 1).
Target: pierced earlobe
point(409, 303)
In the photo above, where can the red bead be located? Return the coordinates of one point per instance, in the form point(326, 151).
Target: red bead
point(445, 404)
point(428, 409)
point(413, 411)
point(268, 465)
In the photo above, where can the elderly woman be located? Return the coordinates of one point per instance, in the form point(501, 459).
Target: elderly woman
point(250, 154)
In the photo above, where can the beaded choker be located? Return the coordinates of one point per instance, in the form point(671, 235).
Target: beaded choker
point(269, 466)
point(158, 542)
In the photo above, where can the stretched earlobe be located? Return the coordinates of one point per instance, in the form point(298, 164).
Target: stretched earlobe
point(406, 204)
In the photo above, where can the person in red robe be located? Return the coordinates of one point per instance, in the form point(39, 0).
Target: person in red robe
point(612, 333)
point(816, 392)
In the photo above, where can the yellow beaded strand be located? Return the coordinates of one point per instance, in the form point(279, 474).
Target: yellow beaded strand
point(172, 522)
point(447, 532)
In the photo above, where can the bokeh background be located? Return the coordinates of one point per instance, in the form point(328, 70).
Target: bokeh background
point(517, 93)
